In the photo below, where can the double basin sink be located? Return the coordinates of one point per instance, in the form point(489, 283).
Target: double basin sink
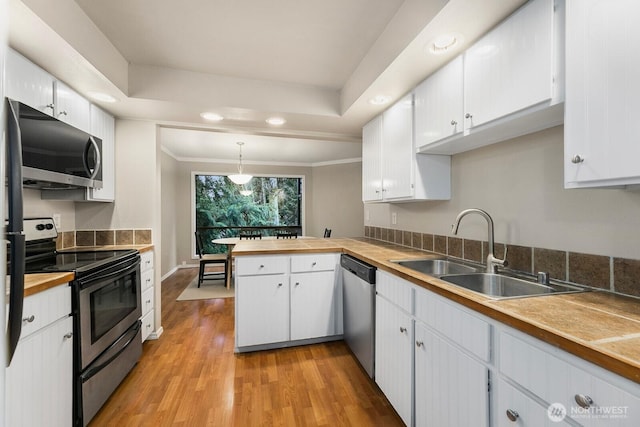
point(493, 285)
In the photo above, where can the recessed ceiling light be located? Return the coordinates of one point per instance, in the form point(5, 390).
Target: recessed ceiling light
point(276, 121)
point(380, 99)
point(444, 43)
point(103, 97)
point(214, 117)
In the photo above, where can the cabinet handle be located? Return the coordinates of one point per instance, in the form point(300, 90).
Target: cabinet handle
point(577, 159)
point(148, 325)
point(297, 283)
point(512, 415)
point(313, 264)
point(148, 301)
point(419, 344)
point(68, 335)
point(403, 330)
point(261, 266)
point(49, 106)
point(468, 116)
point(62, 113)
point(453, 123)
point(29, 319)
point(279, 285)
point(584, 401)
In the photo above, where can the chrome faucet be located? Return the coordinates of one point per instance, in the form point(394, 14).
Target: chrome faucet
point(492, 261)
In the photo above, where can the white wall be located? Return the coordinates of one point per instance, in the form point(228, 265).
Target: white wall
point(35, 207)
point(520, 183)
point(170, 224)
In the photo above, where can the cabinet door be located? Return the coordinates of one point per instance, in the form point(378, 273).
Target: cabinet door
point(394, 356)
point(71, 107)
point(103, 126)
point(39, 382)
point(601, 126)
point(312, 305)
point(451, 387)
point(398, 150)
point(514, 408)
point(262, 309)
point(510, 68)
point(28, 83)
point(438, 105)
point(372, 160)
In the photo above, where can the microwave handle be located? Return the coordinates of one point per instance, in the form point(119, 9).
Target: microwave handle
point(15, 232)
point(85, 159)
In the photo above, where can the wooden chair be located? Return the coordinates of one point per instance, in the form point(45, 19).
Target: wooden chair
point(250, 235)
point(286, 235)
point(327, 233)
point(206, 259)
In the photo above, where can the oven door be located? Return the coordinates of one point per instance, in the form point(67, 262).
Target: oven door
point(108, 304)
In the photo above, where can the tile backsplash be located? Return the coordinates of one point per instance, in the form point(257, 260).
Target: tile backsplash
point(619, 275)
point(69, 239)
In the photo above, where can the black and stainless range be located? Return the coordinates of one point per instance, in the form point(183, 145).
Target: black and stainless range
point(106, 310)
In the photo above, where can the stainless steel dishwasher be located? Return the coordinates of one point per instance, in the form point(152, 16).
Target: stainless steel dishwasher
point(359, 298)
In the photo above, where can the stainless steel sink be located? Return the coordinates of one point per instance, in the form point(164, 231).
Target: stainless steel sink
point(500, 286)
point(436, 267)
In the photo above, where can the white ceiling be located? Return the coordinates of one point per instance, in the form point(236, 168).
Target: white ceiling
point(315, 63)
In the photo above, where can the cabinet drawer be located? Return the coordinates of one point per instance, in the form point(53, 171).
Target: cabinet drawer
point(465, 329)
point(511, 402)
point(555, 379)
point(251, 266)
point(146, 280)
point(146, 261)
point(147, 300)
point(147, 325)
point(45, 308)
point(313, 262)
point(396, 290)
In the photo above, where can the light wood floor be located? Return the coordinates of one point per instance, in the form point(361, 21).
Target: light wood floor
point(191, 377)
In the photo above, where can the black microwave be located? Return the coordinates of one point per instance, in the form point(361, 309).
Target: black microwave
point(54, 153)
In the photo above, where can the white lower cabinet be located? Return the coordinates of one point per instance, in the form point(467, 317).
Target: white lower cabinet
point(394, 356)
point(147, 297)
point(451, 388)
point(262, 309)
point(282, 299)
point(39, 381)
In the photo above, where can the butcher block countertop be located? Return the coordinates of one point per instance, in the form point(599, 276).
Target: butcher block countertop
point(38, 282)
point(600, 327)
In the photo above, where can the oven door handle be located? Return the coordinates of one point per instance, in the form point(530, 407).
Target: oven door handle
point(118, 347)
point(98, 278)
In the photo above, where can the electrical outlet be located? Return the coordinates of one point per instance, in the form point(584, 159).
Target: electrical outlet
point(56, 221)
point(394, 218)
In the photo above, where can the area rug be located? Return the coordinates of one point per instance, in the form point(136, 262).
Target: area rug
point(207, 290)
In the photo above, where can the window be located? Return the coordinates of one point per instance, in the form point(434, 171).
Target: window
point(265, 205)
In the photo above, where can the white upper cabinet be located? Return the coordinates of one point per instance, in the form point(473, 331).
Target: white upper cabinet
point(103, 126)
point(397, 149)
point(391, 169)
point(28, 83)
point(31, 85)
point(510, 68)
point(71, 107)
point(512, 84)
point(602, 129)
point(439, 109)
point(372, 160)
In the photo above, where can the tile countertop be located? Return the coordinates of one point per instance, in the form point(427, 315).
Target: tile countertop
point(38, 282)
point(600, 327)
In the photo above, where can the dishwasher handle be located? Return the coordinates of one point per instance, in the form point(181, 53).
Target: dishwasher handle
point(359, 268)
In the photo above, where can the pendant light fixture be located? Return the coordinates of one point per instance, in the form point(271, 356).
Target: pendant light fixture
point(240, 178)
